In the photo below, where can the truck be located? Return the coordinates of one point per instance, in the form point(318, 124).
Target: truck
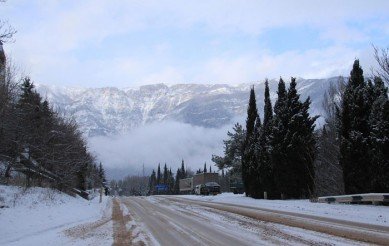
point(208, 181)
point(186, 186)
point(236, 185)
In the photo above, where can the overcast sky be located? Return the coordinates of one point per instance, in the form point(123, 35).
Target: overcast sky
point(129, 43)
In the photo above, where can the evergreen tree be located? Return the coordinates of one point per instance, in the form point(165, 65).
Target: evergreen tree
point(293, 144)
point(171, 181)
point(177, 181)
point(205, 168)
point(159, 174)
point(233, 151)
point(29, 107)
point(354, 133)
point(249, 153)
point(279, 129)
point(101, 172)
point(265, 172)
point(165, 174)
point(255, 183)
point(152, 182)
point(379, 138)
point(183, 172)
point(302, 142)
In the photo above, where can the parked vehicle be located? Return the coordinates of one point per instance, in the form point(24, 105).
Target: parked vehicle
point(213, 188)
point(201, 189)
point(236, 186)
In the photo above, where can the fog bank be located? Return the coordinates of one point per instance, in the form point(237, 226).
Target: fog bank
point(163, 142)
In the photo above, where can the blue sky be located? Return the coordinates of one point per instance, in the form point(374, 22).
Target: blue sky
point(130, 43)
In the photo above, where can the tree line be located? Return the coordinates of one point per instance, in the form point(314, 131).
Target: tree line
point(35, 140)
point(286, 157)
point(170, 183)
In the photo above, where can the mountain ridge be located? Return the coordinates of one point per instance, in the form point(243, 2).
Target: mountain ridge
point(112, 110)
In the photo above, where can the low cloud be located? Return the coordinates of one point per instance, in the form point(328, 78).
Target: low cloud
point(164, 142)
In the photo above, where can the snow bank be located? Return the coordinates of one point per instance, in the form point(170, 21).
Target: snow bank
point(377, 215)
point(38, 216)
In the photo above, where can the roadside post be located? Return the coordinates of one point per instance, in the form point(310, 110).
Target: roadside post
point(101, 194)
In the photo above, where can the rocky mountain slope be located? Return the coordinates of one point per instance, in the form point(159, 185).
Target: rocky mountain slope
point(109, 110)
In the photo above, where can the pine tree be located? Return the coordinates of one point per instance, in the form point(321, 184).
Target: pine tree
point(249, 153)
point(233, 151)
point(354, 133)
point(29, 106)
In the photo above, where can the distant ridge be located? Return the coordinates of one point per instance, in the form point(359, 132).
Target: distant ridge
point(109, 110)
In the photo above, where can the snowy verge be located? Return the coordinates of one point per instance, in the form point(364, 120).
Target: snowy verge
point(38, 216)
point(370, 214)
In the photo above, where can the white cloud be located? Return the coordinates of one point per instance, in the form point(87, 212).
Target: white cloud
point(313, 63)
point(162, 142)
point(51, 34)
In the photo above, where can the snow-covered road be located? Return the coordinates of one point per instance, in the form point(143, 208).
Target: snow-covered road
point(167, 220)
point(39, 216)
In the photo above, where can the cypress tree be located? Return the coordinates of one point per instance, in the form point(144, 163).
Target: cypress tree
point(165, 175)
point(152, 182)
point(265, 167)
point(354, 133)
point(293, 144)
point(183, 172)
point(205, 168)
point(301, 144)
point(102, 174)
point(171, 181)
point(379, 138)
point(248, 153)
point(159, 174)
point(177, 181)
point(255, 184)
point(279, 129)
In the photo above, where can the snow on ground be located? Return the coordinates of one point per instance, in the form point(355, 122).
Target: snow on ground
point(39, 216)
point(371, 214)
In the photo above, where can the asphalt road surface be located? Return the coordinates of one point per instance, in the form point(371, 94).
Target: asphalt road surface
point(168, 220)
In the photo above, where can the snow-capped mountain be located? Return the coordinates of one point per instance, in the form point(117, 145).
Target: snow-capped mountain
point(109, 110)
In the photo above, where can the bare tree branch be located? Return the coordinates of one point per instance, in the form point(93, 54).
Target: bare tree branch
point(6, 30)
point(382, 58)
